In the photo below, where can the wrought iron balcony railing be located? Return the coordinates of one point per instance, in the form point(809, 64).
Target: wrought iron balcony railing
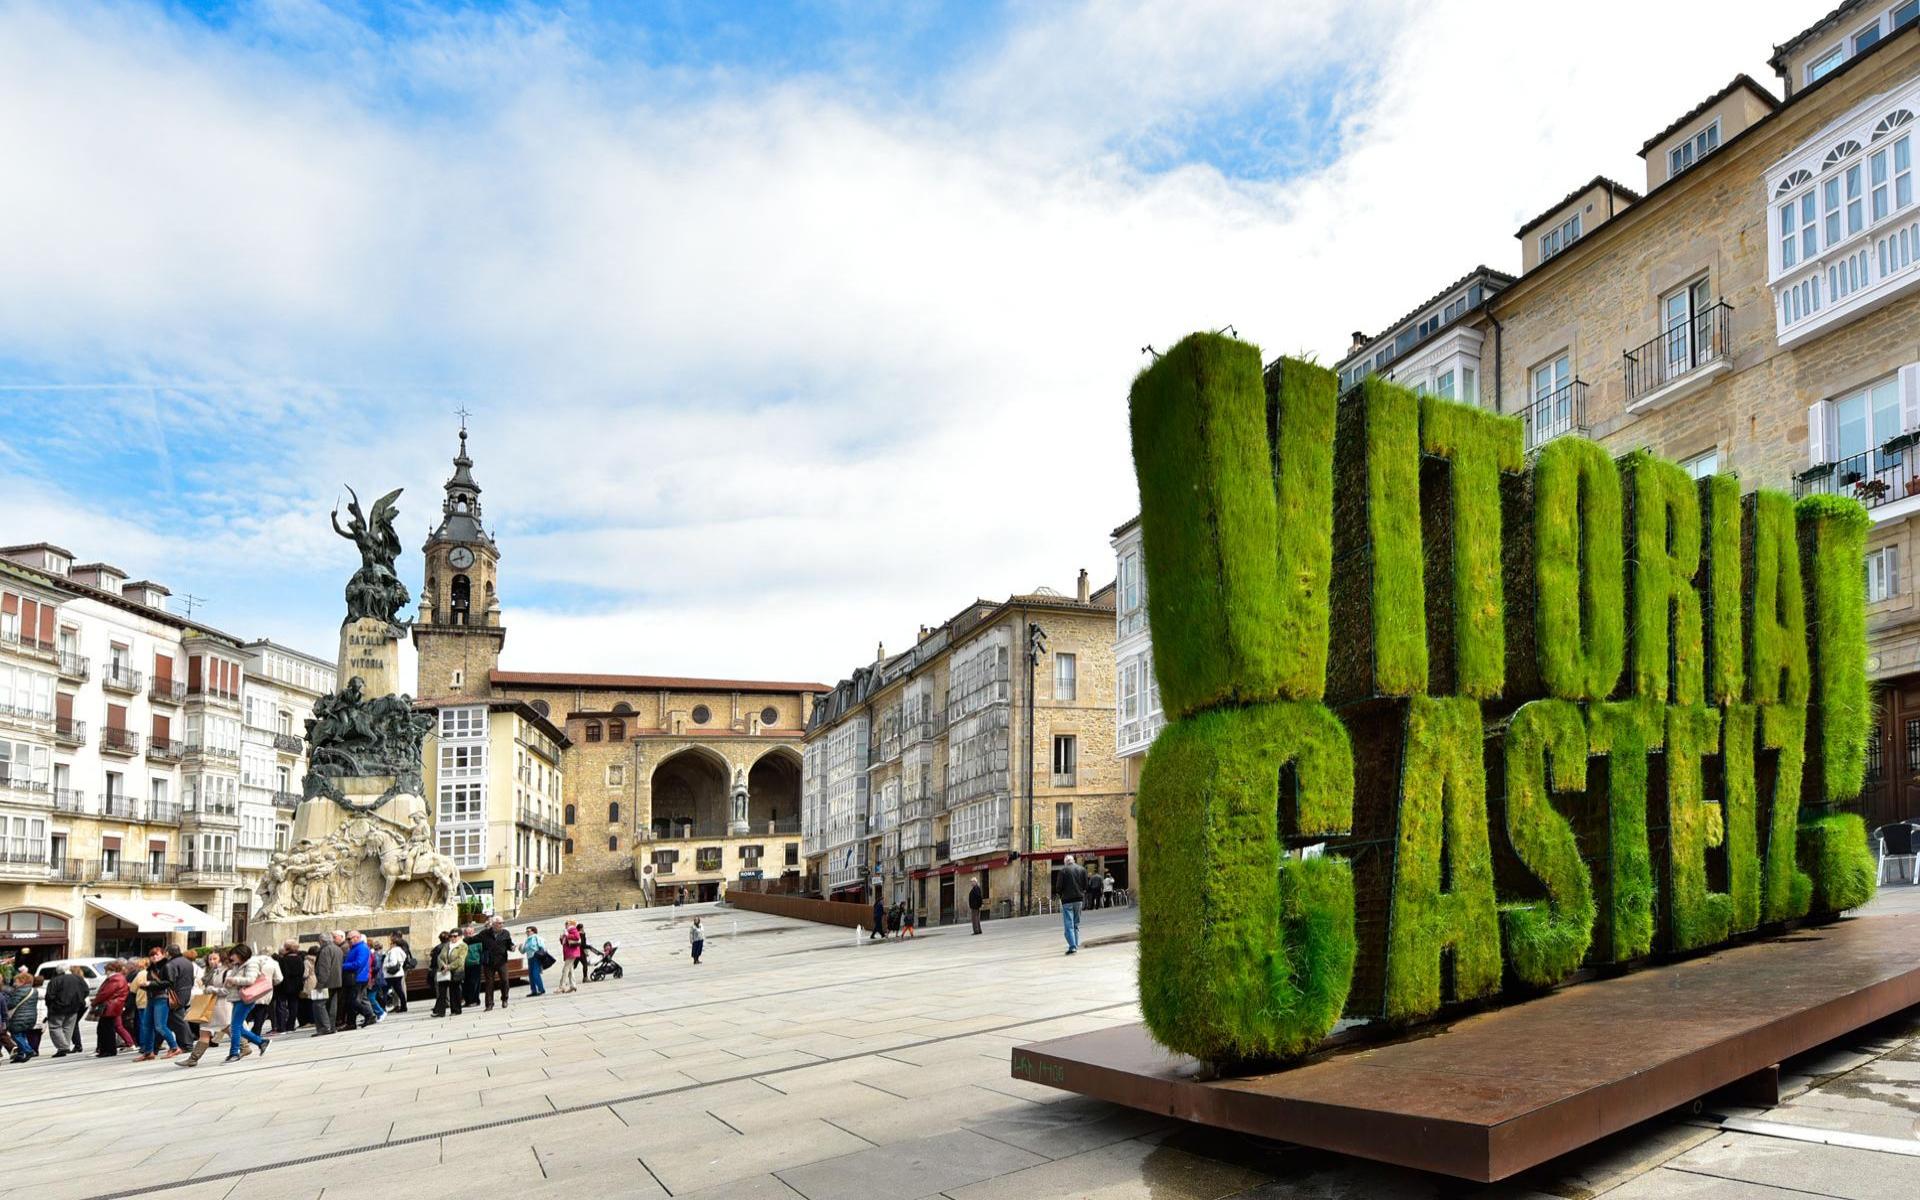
point(165, 749)
point(1679, 351)
point(166, 691)
point(119, 741)
point(68, 800)
point(286, 800)
point(74, 666)
point(1556, 414)
point(289, 743)
point(69, 732)
point(118, 677)
point(1874, 478)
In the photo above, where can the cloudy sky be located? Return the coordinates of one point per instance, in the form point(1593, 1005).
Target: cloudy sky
point(784, 327)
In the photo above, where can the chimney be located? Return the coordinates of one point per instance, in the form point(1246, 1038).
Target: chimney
point(1082, 590)
point(879, 651)
point(1359, 342)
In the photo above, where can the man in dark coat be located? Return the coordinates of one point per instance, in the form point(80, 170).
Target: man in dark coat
point(879, 929)
point(286, 993)
point(496, 944)
point(326, 974)
point(179, 974)
point(67, 997)
point(975, 899)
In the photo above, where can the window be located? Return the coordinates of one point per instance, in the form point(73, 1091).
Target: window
point(593, 731)
point(1130, 692)
point(1693, 149)
point(1063, 822)
point(464, 722)
point(1065, 680)
point(1799, 229)
point(1883, 574)
point(613, 813)
point(701, 714)
point(1823, 66)
point(1129, 582)
point(616, 731)
point(1428, 325)
point(458, 679)
point(613, 843)
point(616, 775)
point(1702, 465)
point(1689, 339)
point(769, 715)
point(1864, 419)
point(1469, 386)
point(1066, 759)
point(1443, 385)
point(569, 846)
point(1559, 238)
point(1454, 308)
point(543, 708)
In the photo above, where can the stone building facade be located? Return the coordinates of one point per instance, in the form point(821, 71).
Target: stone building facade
point(674, 787)
point(1757, 312)
point(915, 776)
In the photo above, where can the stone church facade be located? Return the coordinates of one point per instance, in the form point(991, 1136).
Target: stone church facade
point(675, 786)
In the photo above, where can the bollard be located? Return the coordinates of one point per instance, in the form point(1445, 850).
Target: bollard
point(857, 931)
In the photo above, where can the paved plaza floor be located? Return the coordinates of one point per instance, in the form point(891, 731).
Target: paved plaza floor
point(797, 1063)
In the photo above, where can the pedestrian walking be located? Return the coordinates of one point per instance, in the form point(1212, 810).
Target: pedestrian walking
point(23, 1014)
point(697, 940)
point(178, 976)
point(879, 929)
point(327, 977)
point(219, 1015)
point(975, 898)
point(496, 946)
point(1094, 889)
point(250, 981)
point(356, 969)
point(1071, 887)
point(586, 951)
point(395, 964)
point(137, 979)
point(286, 993)
point(448, 964)
point(109, 1003)
point(572, 954)
point(66, 1001)
point(538, 960)
point(906, 920)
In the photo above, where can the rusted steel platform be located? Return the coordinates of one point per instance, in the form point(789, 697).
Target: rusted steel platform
point(1503, 1090)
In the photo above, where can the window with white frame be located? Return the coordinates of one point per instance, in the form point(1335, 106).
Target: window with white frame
point(1066, 759)
point(1883, 574)
point(1825, 65)
point(1694, 148)
point(1560, 237)
point(1065, 681)
point(1863, 419)
point(465, 722)
point(25, 765)
point(1701, 465)
point(1552, 411)
point(1130, 692)
point(1443, 384)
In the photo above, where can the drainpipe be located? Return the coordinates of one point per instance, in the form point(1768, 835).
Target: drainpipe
point(1497, 331)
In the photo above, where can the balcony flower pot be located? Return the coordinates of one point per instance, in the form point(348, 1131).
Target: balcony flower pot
point(1913, 486)
point(1901, 441)
point(1870, 490)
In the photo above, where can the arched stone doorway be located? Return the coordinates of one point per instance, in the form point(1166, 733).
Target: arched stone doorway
point(690, 794)
point(773, 792)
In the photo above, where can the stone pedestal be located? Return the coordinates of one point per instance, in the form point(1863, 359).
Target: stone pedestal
point(317, 819)
point(421, 925)
point(370, 648)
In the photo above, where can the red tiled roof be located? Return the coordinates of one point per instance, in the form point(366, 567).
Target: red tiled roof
point(651, 683)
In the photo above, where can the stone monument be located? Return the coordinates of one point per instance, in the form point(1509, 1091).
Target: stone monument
point(363, 853)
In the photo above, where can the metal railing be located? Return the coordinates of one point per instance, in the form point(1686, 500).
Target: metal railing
point(23, 856)
point(69, 870)
point(1874, 478)
point(69, 732)
point(1555, 415)
point(206, 692)
point(117, 805)
point(1678, 351)
point(165, 749)
point(22, 782)
point(26, 712)
point(27, 643)
point(286, 800)
point(210, 865)
point(118, 677)
point(139, 872)
point(204, 750)
point(119, 741)
point(166, 691)
point(211, 808)
point(74, 666)
point(163, 812)
point(68, 800)
point(290, 743)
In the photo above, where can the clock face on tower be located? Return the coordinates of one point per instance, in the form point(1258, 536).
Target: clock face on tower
point(461, 558)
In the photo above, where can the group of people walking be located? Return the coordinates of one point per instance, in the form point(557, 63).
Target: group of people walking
point(177, 1004)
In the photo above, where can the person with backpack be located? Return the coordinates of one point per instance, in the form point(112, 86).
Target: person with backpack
point(538, 960)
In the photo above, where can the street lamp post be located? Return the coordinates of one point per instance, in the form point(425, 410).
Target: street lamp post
point(1036, 646)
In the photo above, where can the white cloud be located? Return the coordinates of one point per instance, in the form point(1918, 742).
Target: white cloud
point(764, 372)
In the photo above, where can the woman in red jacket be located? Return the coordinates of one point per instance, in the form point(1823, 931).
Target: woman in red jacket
point(109, 1003)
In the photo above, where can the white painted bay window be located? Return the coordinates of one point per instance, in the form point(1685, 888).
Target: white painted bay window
point(1883, 574)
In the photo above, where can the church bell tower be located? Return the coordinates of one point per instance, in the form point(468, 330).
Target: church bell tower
point(458, 634)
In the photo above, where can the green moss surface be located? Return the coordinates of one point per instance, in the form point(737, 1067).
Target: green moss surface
point(1579, 603)
point(1696, 915)
point(1833, 540)
point(1785, 890)
point(1740, 729)
point(1777, 611)
point(1479, 445)
point(1393, 531)
point(1442, 836)
point(1836, 856)
point(1245, 952)
point(1627, 731)
point(1546, 751)
point(1208, 524)
point(1666, 656)
point(1726, 657)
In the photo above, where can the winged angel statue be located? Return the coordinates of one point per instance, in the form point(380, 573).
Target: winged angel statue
point(374, 591)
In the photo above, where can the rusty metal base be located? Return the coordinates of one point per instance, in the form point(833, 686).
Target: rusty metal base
point(1504, 1090)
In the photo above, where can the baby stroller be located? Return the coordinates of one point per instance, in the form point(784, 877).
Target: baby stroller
point(606, 968)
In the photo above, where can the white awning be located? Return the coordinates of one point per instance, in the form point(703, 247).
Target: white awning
point(158, 916)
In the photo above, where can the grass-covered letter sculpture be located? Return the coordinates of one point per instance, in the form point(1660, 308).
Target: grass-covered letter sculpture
point(1444, 720)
